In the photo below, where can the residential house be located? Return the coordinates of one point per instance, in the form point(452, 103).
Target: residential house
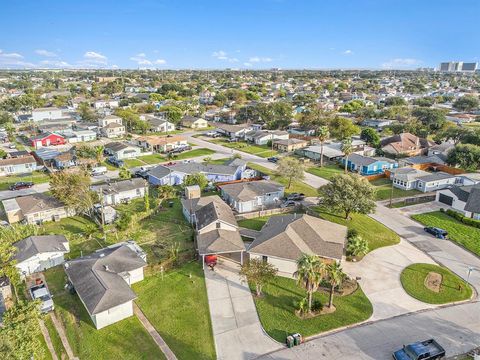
point(102, 281)
point(111, 126)
point(365, 165)
point(252, 195)
point(76, 136)
point(468, 179)
point(333, 150)
point(18, 165)
point(102, 104)
point(285, 238)
point(465, 199)
point(405, 144)
point(194, 122)
point(174, 174)
point(232, 131)
point(217, 231)
point(48, 113)
point(35, 209)
point(160, 125)
point(121, 151)
point(262, 137)
point(47, 139)
point(45, 156)
point(422, 160)
point(378, 124)
point(65, 160)
point(118, 192)
point(408, 178)
point(39, 253)
point(161, 143)
point(190, 206)
point(289, 145)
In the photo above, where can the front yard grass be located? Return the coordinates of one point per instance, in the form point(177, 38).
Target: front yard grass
point(194, 153)
point(276, 310)
point(152, 159)
point(259, 150)
point(37, 177)
point(452, 287)
point(177, 306)
point(126, 339)
point(384, 190)
point(326, 172)
point(377, 234)
point(467, 236)
point(130, 163)
point(296, 186)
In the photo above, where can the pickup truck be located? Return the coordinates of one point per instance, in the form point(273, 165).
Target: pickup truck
point(40, 291)
point(421, 350)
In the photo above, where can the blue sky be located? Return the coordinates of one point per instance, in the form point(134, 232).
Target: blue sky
point(201, 34)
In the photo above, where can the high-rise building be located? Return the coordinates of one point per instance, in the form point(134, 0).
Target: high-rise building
point(453, 66)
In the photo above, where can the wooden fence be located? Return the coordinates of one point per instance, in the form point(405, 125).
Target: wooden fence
point(267, 212)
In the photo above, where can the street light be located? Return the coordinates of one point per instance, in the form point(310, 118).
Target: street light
point(470, 269)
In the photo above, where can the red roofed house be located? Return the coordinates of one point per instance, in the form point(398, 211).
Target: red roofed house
point(47, 139)
point(405, 144)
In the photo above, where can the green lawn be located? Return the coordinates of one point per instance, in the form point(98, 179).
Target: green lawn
point(46, 353)
point(109, 166)
point(194, 153)
point(130, 163)
point(152, 159)
point(56, 341)
point(126, 339)
point(296, 186)
point(384, 190)
point(37, 177)
point(402, 203)
point(254, 224)
point(259, 150)
point(452, 287)
point(177, 306)
point(219, 161)
point(326, 172)
point(276, 310)
point(467, 236)
point(374, 232)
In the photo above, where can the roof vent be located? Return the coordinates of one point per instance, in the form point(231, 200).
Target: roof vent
point(106, 267)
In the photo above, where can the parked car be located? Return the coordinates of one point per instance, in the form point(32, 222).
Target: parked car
point(212, 134)
point(296, 196)
point(141, 174)
point(273, 159)
point(170, 163)
point(288, 203)
point(99, 170)
point(21, 185)
point(180, 149)
point(437, 232)
point(40, 291)
point(421, 350)
point(115, 162)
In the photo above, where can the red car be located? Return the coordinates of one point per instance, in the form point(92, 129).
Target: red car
point(21, 185)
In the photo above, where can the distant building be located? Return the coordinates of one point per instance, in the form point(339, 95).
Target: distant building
point(20, 165)
point(49, 113)
point(454, 66)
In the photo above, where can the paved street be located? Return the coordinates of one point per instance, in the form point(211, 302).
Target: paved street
point(237, 330)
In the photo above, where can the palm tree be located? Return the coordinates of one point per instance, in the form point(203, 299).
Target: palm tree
point(165, 192)
point(323, 135)
point(347, 149)
point(124, 173)
point(99, 154)
point(310, 272)
point(335, 278)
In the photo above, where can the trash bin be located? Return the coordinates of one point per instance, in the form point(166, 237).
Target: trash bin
point(290, 341)
point(170, 204)
point(297, 339)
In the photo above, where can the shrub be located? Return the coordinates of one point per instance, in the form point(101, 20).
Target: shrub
point(463, 219)
point(124, 222)
point(317, 306)
point(352, 233)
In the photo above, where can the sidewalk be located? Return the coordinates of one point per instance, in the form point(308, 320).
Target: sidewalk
point(237, 330)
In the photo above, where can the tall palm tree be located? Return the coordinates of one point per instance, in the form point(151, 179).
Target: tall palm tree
point(335, 278)
point(347, 150)
point(99, 154)
point(310, 272)
point(323, 135)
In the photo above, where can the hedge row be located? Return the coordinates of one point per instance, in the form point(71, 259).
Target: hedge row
point(460, 217)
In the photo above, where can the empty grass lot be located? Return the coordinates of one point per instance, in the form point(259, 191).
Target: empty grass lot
point(467, 236)
point(126, 339)
point(177, 306)
point(384, 190)
point(194, 153)
point(36, 177)
point(374, 232)
point(296, 186)
point(264, 151)
point(452, 288)
point(276, 310)
point(326, 172)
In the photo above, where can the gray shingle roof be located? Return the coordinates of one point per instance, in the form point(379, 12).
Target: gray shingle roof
point(361, 160)
point(97, 278)
point(34, 203)
point(198, 203)
point(191, 168)
point(435, 176)
point(33, 245)
point(473, 203)
point(218, 241)
point(120, 186)
point(290, 236)
point(212, 212)
point(246, 191)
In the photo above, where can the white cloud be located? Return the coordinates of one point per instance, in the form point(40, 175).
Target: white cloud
point(142, 60)
point(55, 63)
point(347, 52)
point(114, 66)
point(222, 55)
point(247, 64)
point(5, 55)
point(258, 59)
point(401, 63)
point(46, 53)
point(160, 61)
point(13, 60)
point(93, 57)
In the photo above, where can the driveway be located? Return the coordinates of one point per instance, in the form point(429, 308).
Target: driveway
point(380, 279)
point(237, 330)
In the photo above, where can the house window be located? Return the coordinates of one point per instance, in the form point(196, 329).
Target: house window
point(218, 225)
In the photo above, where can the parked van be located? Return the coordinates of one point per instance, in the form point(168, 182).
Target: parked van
point(100, 170)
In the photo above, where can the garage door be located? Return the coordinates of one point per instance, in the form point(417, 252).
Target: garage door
point(445, 199)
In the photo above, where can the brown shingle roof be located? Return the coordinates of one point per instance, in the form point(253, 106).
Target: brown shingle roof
point(17, 161)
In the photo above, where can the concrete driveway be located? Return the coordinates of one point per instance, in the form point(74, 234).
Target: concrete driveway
point(237, 330)
point(380, 279)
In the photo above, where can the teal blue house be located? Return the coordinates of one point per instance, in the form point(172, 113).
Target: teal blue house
point(365, 165)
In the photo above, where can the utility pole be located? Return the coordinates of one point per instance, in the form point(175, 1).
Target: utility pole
point(391, 195)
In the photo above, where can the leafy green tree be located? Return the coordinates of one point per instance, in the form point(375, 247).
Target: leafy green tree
point(310, 273)
point(357, 246)
point(165, 192)
point(5, 118)
point(124, 173)
point(335, 276)
point(370, 136)
point(349, 193)
point(3, 154)
point(20, 334)
point(290, 168)
point(467, 103)
point(342, 128)
point(173, 113)
point(259, 273)
point(352, 106)
point(99, 154)
point(395, 101)
point(347, 150)
point(323, 134)
point(196, 179)
point(146, 201)
point(433, 119)
point(466, 156)
point(86, 112)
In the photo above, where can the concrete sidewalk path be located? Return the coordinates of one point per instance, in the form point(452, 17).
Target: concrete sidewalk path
point(237, 330)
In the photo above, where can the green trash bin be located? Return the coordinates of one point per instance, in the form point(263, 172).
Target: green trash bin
point(290, 341)
point(297, 339)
